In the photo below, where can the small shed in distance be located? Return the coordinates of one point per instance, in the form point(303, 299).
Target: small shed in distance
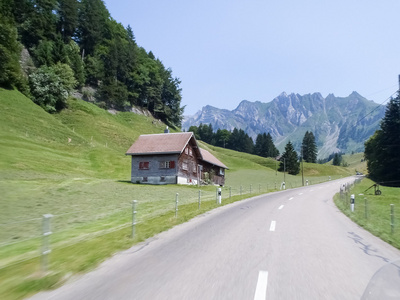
point(173, 158)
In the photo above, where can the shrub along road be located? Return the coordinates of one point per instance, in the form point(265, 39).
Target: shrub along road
point(293, 244)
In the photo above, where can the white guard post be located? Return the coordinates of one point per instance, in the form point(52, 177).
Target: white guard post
point(219, 195)
point(352, 202)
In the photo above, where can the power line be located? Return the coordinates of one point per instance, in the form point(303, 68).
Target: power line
point(380, 91)
point(390, 97)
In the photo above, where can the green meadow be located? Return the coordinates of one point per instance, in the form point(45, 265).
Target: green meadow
point(379, 214)
point(73, 165)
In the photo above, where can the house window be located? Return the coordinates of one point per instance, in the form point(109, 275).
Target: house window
point(184, 165)
point(186, 151)
point(144, 165)
point(167, 164)
point(190, 152)
point(221, 171)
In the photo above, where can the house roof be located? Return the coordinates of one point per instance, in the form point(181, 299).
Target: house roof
point(208, 157)
point(170, 143)
point(163, 143)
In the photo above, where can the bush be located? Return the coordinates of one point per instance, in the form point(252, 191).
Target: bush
point(50, 86)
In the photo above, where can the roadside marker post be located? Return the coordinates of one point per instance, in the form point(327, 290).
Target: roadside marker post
point(219, 196)
point(133, 217)
point(392, 217)
point(176, 205)
point(199, 198)
point(352, 198)
point(230, 192)
point(46, 241)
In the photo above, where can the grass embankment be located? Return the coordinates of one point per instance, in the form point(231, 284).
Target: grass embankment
point(373, 212)
point(72, 165)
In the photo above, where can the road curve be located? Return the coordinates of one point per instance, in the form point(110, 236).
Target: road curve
point(293, 244)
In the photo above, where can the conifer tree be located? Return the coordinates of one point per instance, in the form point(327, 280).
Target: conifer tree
point(10, 49)
point(383, 148)
point(289, 160)
point(337, 159)
point(309, 148)
point(67, 18)
point(272, 151)
point(264, 146)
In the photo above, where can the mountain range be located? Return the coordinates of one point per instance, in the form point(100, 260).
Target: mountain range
point(339, 124)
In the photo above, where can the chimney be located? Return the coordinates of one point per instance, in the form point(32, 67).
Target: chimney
point(166, 130)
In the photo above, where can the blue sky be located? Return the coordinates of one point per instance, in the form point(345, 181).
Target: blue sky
point(225, 51)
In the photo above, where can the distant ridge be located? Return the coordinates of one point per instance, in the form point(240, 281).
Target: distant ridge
point(333, 120)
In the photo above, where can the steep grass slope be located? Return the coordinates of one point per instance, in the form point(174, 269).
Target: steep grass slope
point(73, 165)
point(75, 161)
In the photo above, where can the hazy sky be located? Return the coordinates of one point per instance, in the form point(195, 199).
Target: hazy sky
point(225, 51)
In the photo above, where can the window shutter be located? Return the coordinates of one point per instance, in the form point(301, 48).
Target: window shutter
point(172, 164)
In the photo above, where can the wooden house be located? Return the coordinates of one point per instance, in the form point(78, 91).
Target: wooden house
point(173, 158)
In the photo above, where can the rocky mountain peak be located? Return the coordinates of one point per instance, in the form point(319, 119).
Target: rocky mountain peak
point(331, 119)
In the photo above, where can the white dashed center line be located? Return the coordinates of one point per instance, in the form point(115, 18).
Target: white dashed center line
point(291, 198)
point(273, 225)
point(300, 194)
point(261, 289)
point(280, 207)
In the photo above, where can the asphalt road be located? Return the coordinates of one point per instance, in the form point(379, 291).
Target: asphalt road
point(293, 244)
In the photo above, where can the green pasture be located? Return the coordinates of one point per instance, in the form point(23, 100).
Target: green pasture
point(73, 165)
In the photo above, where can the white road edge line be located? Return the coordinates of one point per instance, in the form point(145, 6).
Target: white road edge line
point(280, 207)
point(273, 225)
point(261, 289)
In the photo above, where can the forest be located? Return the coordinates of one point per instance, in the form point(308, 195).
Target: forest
point(237, 140)
point(67, 45)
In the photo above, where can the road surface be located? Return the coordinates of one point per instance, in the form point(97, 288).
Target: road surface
point(293, 244)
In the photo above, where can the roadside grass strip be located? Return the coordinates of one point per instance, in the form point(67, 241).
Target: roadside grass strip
point(378, 214)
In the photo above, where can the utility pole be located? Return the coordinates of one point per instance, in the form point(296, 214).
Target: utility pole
point(302, 169)
point(284, 169)
point(399, 82)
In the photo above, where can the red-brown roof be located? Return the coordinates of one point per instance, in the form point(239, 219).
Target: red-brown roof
point(208, 157)
point(163, 143)
point(169, 143)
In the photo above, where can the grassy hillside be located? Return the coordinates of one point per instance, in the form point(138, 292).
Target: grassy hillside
point(356, 161)
point(73, 165)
